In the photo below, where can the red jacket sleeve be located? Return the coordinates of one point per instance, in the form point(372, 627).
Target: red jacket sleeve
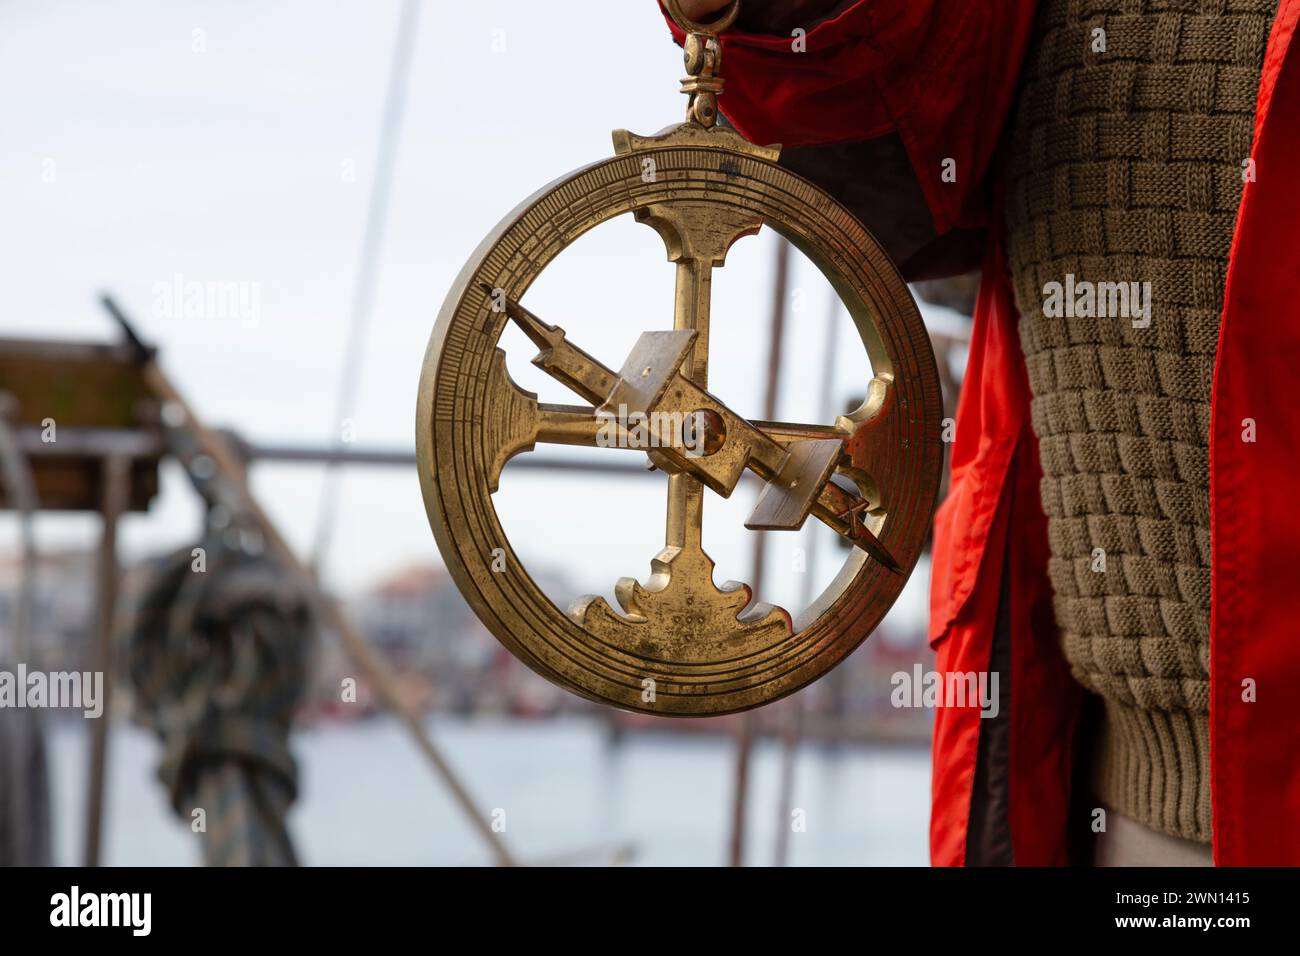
point(940, 73)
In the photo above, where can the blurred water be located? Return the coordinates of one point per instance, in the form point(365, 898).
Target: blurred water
point(369, 798)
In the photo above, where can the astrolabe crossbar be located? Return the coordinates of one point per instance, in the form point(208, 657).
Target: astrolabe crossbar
point(678, 643)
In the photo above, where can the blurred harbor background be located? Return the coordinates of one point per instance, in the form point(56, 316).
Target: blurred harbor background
point(571, 796)
point(579, 783)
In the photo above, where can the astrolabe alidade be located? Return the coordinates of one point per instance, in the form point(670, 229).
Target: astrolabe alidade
point(678, 643)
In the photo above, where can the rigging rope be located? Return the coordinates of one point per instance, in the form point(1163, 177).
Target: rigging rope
point(371, 243)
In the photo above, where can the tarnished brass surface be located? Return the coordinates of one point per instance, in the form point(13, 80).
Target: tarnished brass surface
point(679, 643)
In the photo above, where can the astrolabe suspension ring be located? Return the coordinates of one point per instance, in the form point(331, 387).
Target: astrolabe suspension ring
point(677, 643)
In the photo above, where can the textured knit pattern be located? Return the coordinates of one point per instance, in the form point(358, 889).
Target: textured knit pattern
point(1126, 166)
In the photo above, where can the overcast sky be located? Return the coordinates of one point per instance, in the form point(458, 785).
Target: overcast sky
point(235, 142)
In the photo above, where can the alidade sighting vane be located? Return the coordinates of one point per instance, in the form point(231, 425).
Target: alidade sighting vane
point(797, 475)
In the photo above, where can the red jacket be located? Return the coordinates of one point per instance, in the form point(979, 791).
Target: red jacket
point(941, 76)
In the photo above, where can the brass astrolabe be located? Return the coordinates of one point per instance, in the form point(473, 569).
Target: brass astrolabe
point(679, 644)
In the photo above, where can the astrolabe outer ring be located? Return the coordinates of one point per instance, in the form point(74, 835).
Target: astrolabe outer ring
point(461, 380)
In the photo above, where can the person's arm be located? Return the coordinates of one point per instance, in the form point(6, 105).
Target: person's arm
point(895, 107)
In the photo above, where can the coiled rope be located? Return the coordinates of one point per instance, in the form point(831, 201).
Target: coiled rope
point(217, 658)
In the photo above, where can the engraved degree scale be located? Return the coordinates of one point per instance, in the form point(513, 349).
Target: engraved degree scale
point(871, 476)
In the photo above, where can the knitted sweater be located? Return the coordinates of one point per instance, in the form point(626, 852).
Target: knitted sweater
point(1126, 165)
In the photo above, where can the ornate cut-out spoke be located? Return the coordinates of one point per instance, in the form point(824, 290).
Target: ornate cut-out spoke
point(691, 304)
